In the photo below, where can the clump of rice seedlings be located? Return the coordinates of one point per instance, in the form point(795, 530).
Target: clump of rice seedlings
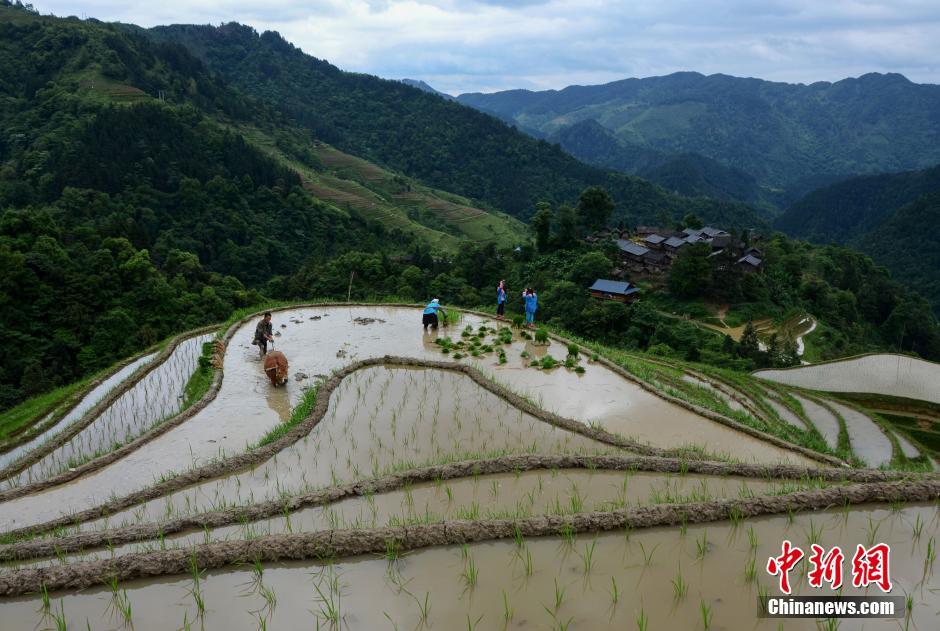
point(559, 596)
point(917, 527)
point(330, 602)
point(549, 362)
point(570, 362)
point(44, 607)
point(470, 572)
point(701, 546)
point(525, 335)
point(579, 370)
point(59, 617)
point(588, 557)
point(573, 350)
point(750, 570)
point(679, 587)
point(518, 321)
point(930, 556)
point(641, 620)
point(705, 612)
point(502, 356)
point(647, 556)
point(458, 355)
point(507, 609)
point(594, 357)
point(541, 336)
point(196, 590)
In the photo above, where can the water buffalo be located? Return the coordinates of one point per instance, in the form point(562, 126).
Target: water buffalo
point(275, 366)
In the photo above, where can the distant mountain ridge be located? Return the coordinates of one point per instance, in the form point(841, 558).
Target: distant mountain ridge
point(439, 142)
point(424, 87)
point(781, 134)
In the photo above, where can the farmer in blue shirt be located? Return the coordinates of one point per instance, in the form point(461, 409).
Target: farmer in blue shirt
point(500, 299)
point(531, 304)
point(430, 314)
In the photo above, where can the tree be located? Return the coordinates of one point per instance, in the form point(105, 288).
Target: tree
point(749, 345)
point(691, 220)
point(541, 225)
point(588, 268)
point(595, 207)
point(567, 227)
point(691, 273)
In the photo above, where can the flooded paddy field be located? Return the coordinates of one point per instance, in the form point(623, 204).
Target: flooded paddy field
point(893, 375)
point(506, 495)
point(158, 396)
point(704, 576)
point(321, 340)
point(87, 402)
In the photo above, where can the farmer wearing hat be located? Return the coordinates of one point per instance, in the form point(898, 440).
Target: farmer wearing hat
point(430, 314)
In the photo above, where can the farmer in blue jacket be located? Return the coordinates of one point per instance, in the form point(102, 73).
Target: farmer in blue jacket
point(430, 314)
point(531, 304)
point(500, 299)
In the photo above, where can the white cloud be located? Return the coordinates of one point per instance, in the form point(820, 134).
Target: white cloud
point(470, 45)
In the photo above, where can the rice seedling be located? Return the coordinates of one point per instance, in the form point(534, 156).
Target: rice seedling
point(559, 596)
point(750, 570)
point(641, 620)
point(701, 546)
point(507, 609)
point(588, 557)
point(647, 556)
point(705, 612)
point(679, 587)
point(470, 572)
point(614, 591)
point(472, 625)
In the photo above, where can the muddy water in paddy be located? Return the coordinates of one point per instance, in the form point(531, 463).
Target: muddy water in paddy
point(785, 413)
point(499, 495)
point(87, 402)
point(244, 411)
point(868, 441)
point(157, 396)
point(544, 582)
point(822, 419)
point(893, 375)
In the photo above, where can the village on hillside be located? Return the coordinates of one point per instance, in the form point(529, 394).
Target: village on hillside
point(648, 252)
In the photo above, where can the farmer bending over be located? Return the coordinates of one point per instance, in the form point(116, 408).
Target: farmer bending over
point(430, 314)
point(263, 334)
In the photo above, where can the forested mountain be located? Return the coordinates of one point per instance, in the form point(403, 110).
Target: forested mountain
point(437, 141)
point(847, 210)
point(689, 174)
point(781, 134)
point(895, 218)
point(124, 219)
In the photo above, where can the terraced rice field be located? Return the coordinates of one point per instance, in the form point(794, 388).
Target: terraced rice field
point(892, 375)
point(450, 479)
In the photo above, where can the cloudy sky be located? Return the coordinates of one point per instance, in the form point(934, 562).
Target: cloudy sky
point(486, 45)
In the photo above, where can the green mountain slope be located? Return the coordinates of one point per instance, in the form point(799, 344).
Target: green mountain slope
point(892, 217)
point(906, 243)
point(847, 210)
point(406, 130)
point(779, 133)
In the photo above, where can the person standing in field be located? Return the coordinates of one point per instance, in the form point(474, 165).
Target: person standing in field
point(429, 317)
point(531, 300)
point(500, 300)
point(264, 333)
